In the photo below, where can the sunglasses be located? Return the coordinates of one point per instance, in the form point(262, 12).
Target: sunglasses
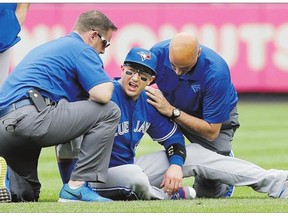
point(105, 43)
point(143, 76)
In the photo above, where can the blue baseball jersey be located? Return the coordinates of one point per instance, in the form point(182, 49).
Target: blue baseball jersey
point(205, 91)
point(137, 118)
point(9, 26)
point(63, 68)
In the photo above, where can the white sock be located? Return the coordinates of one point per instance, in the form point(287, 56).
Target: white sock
point(74, 187)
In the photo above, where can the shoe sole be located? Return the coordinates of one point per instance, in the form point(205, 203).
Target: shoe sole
point(4, 192)
point(61, 200)
point(3, 170)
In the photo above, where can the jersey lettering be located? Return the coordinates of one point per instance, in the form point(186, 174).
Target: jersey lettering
point(141, 127)
point(123, 128)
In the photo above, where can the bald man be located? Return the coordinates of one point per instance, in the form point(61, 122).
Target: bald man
point(199, 97)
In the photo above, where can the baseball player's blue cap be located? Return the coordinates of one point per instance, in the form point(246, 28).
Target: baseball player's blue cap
point(142, 57)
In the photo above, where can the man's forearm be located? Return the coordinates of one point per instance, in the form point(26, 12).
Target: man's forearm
point(199, 126)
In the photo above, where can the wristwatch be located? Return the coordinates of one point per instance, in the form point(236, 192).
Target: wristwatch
point(175, 113)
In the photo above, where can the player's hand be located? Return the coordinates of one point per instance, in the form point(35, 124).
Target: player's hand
point(172, 180)
point(158, 100)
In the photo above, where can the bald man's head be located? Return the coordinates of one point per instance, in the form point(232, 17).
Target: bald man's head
point(183, 52)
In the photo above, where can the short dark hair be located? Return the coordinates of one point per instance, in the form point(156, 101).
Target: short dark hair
point(93, 19)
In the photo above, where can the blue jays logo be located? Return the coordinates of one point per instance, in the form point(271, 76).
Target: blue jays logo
point(144, 55)
point(196, 88)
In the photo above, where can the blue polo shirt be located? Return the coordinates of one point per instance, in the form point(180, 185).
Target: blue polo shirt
point(9, 26)
point(205, 92)
point(63, 68)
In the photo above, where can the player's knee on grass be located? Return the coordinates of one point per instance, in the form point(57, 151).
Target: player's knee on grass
point(137, 180)
point(133, 184)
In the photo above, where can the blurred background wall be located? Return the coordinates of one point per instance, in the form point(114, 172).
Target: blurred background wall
point(252, 38)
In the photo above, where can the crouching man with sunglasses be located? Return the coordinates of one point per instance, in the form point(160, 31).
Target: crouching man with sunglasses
point(44, 102)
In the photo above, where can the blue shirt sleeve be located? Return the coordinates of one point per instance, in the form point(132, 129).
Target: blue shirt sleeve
point(90, 69)
point(9, 26)
point(216, 103)
point(176, 159)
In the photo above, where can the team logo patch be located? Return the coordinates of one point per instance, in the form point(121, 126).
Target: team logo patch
point(196, 88)
point(144, 55)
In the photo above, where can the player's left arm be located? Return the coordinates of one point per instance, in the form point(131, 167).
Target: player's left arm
point(167, 133)
point(176, 154)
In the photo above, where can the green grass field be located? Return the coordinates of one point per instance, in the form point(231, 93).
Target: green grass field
point(261, 139)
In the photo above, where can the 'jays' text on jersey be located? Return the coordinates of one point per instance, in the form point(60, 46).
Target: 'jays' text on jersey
point(63, 68)
point(137, 118)
point(205, 91)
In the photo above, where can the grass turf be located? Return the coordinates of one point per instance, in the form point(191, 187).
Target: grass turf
point(261, 139)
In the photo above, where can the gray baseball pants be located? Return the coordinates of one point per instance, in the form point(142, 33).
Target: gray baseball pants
point(25, 131)
point(145, 176)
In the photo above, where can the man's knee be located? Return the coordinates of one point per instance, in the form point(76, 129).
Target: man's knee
point(113, 109)
point(69, 150)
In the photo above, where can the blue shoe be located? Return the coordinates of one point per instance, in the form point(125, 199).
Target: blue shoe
point(229, 192)
point(81, 194)
point(184, 193)
point(231, 188)
point(5, 195)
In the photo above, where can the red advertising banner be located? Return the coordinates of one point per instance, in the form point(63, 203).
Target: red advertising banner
point(252, 38)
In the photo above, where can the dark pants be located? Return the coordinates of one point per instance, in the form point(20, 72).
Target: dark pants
point(23, 177)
